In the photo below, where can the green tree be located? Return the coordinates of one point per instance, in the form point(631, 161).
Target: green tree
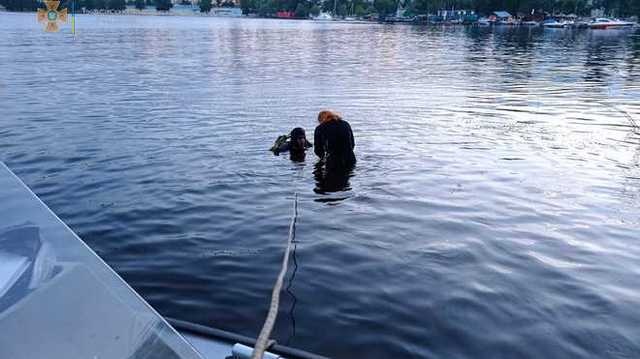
point(100, 4)
point(384, 7)
point(302, 10)
point(140, 4)
point(421, 7)
point(248, 6)
point(21, 5)
point(326, 6)
point(87, 4)
point(315, 10)
point(163, 5)
point(635, 8)
point(117, 5)
point(205, 6)
point(360, 10)
point(267, 8)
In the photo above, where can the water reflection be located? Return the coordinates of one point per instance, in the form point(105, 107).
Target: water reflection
point(330, 180)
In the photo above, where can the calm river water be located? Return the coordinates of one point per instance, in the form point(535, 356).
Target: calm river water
point(493, 212)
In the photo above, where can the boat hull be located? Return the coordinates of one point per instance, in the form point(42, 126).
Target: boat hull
point(610, 26)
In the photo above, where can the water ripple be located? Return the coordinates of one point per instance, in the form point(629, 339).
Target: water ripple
point(492, 214)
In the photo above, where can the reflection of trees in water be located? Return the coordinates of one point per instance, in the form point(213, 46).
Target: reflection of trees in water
point(501, 55)
point(633, 60)
point(609, 50)
point(516, 52)
point(604, 67)
point(597, 59)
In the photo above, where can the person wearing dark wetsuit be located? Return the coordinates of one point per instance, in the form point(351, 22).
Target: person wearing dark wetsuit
point(334, 141)
point(296, 144)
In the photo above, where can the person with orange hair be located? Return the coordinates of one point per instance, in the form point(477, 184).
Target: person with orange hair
point(334, 141)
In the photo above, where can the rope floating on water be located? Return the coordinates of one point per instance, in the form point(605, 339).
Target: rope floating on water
point(265, 333)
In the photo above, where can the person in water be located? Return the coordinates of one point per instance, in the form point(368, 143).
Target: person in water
point(334, 141)
point(296, 144)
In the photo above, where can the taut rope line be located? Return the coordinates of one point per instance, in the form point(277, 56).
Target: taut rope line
point(263, 338)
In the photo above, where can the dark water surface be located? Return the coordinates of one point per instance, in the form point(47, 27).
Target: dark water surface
point(493, 212)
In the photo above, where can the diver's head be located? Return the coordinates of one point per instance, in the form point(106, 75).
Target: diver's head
point(328, 115)
point(298, 140)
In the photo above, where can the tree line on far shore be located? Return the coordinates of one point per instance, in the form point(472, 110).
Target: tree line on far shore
point(114, 5)
point(305, 8)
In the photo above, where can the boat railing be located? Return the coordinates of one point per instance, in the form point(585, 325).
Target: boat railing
point(222, 335)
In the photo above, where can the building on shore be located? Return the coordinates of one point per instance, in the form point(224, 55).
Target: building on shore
point(454, 14)
point(502, 16)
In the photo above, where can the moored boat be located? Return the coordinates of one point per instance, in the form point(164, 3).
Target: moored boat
point(605, 23)
point(226, 12)
point(554, 24)
point(484, 21)
point(323, 16)
point(509, 22)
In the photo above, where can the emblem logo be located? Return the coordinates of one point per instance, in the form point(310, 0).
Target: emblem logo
point(51, 16)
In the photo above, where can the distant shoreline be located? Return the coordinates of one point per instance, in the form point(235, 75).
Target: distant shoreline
point(129, 12)
point(190, 12)
point(134, 12)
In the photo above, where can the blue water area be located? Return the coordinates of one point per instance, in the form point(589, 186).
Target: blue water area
point(493, 212)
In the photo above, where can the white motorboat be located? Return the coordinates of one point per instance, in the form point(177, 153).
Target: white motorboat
point(226, 11)
point(554, 24)
point(58, 299)
point(506, 22)
point(483, 21)
point(323, 16)
point(605, 23)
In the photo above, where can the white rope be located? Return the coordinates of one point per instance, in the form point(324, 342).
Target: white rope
point(265, 333)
